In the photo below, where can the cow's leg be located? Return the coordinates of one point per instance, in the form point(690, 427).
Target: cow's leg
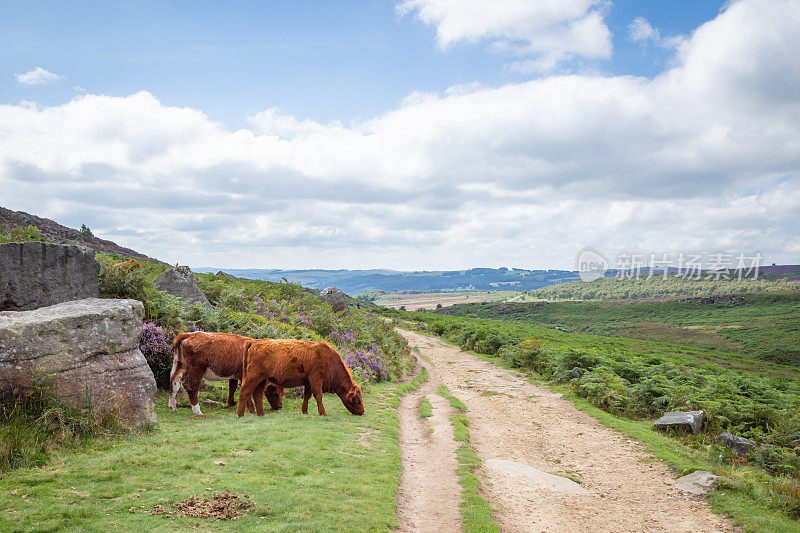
point(175, 387)
point(193, 379)
point(316, 390)
point(258, 396)
point(246, 393)
point(306, 397)
point(232, 384)
point(175, 379)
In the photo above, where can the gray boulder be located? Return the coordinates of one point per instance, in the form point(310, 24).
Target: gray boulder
point(38, 274)
point(688, 420)
point(335, 298)
point(89, 352)
point(577, 372)
point(180, 282)
point(699, 482)
point(222, 274)
point(740, 445)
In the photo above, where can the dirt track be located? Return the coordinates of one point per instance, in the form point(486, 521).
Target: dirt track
point(531, 442)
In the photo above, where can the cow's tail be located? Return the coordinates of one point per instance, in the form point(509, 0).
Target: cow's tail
point(177, 356)
point(176, 375)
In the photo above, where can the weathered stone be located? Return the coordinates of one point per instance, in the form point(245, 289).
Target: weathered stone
point(577, 372)
point(37, 274)
point(699, 482)
point(689, 420)
point(740, 445)
point(180, 282)
point(222, 274)
point(89, 352)
point(335, 298)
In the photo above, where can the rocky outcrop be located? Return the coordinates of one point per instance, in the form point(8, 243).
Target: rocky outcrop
point(699, 482)
point(688, 420)
point(740, 445)
point(180, 282)
point(55, 232)
point(89, 352)
point(38, 274)
point(335, 298)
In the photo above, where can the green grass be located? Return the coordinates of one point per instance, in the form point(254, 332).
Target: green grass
point(425, 409)
point(455, 403)
point(305, 472)
point(476, 514)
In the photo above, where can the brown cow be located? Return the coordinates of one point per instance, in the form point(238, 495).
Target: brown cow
point(291, 363)
point(213, 356)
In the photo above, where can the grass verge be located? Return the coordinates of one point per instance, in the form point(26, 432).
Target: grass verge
point(304, 472)
point(476, 514)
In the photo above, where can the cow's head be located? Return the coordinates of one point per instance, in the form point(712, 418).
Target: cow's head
point(274, 395)
point(352, 400)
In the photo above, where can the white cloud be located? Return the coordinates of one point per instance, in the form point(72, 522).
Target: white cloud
point(37, 76)
point(704, 156)
point(642, 32)
point(542, 33)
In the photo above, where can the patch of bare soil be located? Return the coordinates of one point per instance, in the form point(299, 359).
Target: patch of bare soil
point(429, 493)
point(548, 466)
point(221, 505)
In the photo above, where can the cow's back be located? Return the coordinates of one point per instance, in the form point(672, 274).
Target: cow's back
point(221, 353)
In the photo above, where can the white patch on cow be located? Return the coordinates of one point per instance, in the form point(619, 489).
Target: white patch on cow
point(211, 376)
point(196, 409)
point(174, 364)
point(173, 404)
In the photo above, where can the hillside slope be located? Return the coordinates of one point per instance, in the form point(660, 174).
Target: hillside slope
point(55, 232)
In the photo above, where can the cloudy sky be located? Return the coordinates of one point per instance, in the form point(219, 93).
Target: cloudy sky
point(414, 134)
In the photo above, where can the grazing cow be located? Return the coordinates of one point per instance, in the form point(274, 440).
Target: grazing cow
point(213, 356)
point(291, 363)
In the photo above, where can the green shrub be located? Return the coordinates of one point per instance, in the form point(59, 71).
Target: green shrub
point(22, 234)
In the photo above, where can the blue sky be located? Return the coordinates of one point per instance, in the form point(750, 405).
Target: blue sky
point(319, 60)
point(407, 134)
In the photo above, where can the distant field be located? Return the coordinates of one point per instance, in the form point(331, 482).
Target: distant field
point(413, 302)
point(761, 326)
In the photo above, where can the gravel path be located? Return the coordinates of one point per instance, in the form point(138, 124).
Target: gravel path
point(533, 444)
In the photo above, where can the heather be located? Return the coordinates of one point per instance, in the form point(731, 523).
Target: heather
point(258, 309)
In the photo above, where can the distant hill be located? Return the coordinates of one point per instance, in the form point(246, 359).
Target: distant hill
point(775, 279)
point(357, 281)
point(55, 232)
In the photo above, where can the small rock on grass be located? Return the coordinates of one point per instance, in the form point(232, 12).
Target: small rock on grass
point(699, 482)
point(740, 445)
point(687, 420)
